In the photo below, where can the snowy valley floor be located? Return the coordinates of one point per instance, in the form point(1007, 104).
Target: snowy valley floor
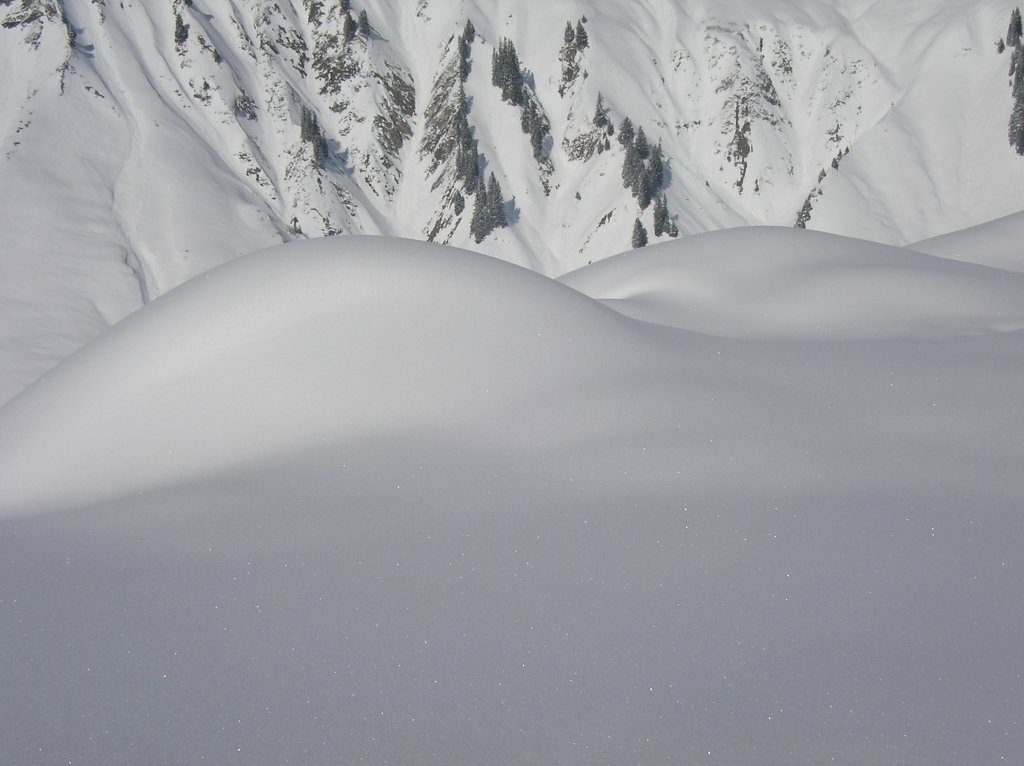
point(375, 501)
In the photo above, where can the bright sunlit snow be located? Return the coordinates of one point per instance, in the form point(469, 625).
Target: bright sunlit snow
point(132, 162)
point(369, 500)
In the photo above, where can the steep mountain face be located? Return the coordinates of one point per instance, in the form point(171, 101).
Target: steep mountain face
point(146, 142)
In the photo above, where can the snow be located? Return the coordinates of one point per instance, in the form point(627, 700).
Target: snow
point(994, 243)
point(752, 496)
point(371, 500)
point(127, 170)
point(774, 282)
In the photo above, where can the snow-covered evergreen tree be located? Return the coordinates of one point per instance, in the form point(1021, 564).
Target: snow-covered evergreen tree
point(639, 235)
point(640, 144)
point(582, 39)
point(180, 30)
point(488, 210)
point(626, 132)
point(656, 168)
point(465, 47)
point(320, 151)
point(1016, 129)
point(478, 221)
point(506, 72)
point(1014, 32)
point(314, 11)
point(632, 167)
point(661, 221)
point(495, 204)
point(601, 114)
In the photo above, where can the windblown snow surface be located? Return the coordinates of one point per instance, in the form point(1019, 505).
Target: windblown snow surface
point(377, 501)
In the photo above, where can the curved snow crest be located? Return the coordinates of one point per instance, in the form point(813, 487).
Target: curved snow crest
point(768, 282)
point(302, 344)
point(996, 243)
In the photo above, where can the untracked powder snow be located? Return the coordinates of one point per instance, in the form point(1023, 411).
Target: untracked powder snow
point(371, 500)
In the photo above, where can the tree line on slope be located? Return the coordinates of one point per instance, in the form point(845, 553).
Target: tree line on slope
point(643, 167)
point(1013, 40)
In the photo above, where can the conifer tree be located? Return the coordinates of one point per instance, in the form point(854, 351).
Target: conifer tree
point(307, 121)
point(1018, 77)
point(656, 168)
point(570, 35)
point(537, 134)
point(632, 166)
point(363, 24)
point(180, 30)
point(528, 117)
point(461, 113)
point(348, 28)
point(626, 133)
point(495, 204)
point(644, 189)
point(1014, 32)
point(601, 113)
point(459, 203)
point(661, 221)
point(804, 216)
point(477, 225)
point(465, 41)
point(643, 149)
point(582, 40)
point(467, 165)
point(320, 151)
point(1016, 130)
point(639, 235)
point(488, 210)
point(506, 72)
point(309, 131)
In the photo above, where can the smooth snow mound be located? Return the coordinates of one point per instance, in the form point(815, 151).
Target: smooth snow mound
point(998, 243)
point(297, 346)
point(766, 282)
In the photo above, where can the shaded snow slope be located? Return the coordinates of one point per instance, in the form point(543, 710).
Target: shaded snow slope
point(774, 282)
point(375, 501)
point(998, 243)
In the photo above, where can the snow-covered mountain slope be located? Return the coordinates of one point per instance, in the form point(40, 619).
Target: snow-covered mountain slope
point(146, 142)
point(784, 283)
point(361, 500)
point(998, 243)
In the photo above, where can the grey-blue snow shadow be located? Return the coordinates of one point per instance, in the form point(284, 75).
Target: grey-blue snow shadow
point(469, 605)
